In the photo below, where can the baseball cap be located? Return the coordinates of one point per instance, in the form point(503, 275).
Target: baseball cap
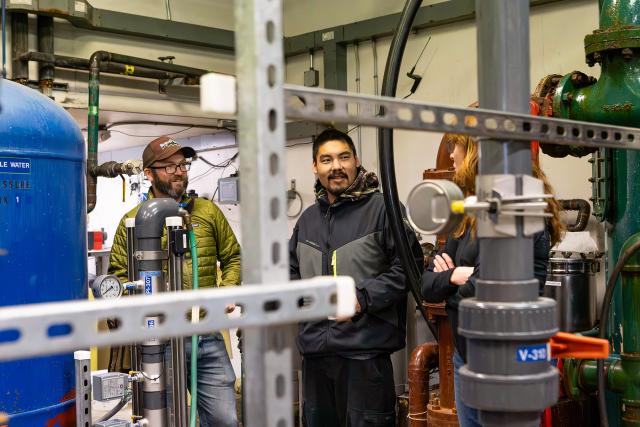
point(163, 148)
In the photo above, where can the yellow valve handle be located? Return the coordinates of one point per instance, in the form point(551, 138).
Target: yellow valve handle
point(457, 207)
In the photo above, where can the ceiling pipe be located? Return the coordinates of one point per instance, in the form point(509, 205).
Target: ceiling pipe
point(72, 63)
point(94, 106)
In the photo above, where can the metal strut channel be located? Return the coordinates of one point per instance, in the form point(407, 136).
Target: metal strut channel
point(309, 104)
point(264, 305)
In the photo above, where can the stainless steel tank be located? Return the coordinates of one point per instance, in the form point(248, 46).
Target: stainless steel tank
point(572, 283)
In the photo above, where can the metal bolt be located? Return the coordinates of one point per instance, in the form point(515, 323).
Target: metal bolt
point(567, 97)
point(627, 53)
point(436, 404)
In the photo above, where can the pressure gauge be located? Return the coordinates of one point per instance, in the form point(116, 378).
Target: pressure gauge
point(106, 286)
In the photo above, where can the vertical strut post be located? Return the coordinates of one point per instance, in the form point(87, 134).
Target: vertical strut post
point(178, 372)
point(132, 275)
point(82, 360)
point(267, 378)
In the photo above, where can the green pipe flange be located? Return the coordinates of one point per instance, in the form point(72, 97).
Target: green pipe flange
point(612, 39)
point(571, 378)
point(615, 39)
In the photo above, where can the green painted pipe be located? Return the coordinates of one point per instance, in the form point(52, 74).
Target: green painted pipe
point(613, 99)
point(588, 376)
point(618, 13)
point(92, 130)
point(194, 338)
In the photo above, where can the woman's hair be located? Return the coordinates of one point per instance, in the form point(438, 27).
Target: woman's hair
point(465, 175)
point(556, 226)
point(465, 178)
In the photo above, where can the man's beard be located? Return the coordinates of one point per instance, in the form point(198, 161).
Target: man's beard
point(337, 189)
point(166, 187)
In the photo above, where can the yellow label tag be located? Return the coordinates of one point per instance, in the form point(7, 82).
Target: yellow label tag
point(334, 264)
point(129, 70)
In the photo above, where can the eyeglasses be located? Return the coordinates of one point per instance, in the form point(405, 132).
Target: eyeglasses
point(171, 169)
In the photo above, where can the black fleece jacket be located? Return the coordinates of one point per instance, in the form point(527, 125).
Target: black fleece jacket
point(437, 287)
point(352, 237)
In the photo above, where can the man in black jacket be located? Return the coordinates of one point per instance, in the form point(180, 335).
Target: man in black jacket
point(347, 377)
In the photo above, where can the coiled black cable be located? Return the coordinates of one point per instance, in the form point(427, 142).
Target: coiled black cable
point(386, 157)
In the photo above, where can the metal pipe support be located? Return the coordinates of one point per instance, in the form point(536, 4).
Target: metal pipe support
point(132, 274)
point(46, 71)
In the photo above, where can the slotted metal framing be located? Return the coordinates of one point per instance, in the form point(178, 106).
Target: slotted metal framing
point(267, 352)
point(268, 348)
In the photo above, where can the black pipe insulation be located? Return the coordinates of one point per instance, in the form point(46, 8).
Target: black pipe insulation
point(72, 63)
point(19, 43)
point(386, 157)
point(101, 56)
point(113, 169)
point(584, 210)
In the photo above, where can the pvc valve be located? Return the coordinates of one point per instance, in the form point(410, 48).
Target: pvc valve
point(564, 345)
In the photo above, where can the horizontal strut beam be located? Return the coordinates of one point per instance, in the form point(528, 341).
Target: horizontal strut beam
point(330, 106)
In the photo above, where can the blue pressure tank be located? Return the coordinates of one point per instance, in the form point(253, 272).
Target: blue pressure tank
point(43, 243)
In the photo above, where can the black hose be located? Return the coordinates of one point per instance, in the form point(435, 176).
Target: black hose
point(115, 409)
point(386, 158)
point(604, 319)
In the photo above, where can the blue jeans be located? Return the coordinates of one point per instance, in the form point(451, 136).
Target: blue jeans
point(216, 381)
point(467, 416)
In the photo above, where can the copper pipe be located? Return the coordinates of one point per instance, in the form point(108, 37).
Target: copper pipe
point(445, 363)
point(422, 358)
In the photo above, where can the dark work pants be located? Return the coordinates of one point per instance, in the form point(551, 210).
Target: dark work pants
point(345, 392)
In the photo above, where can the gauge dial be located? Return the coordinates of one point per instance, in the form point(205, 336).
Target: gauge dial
point(108, 287)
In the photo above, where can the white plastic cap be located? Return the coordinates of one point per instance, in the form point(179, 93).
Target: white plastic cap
point(218, 93)
point(346, 296)
point(173, 221)
point(130, 222)
point(82, 355)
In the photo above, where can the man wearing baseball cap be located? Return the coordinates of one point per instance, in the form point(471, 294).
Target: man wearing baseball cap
point(166, 164)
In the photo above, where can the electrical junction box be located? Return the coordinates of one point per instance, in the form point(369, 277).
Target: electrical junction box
point(229, 190)
point(113, 423)
point(312, 78)
point(109, 386)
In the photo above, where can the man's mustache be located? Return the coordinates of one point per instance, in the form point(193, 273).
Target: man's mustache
point(337, 175)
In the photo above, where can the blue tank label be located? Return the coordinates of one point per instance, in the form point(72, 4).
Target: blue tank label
point(533, 353)
point(147, 277)
point(15, 165)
